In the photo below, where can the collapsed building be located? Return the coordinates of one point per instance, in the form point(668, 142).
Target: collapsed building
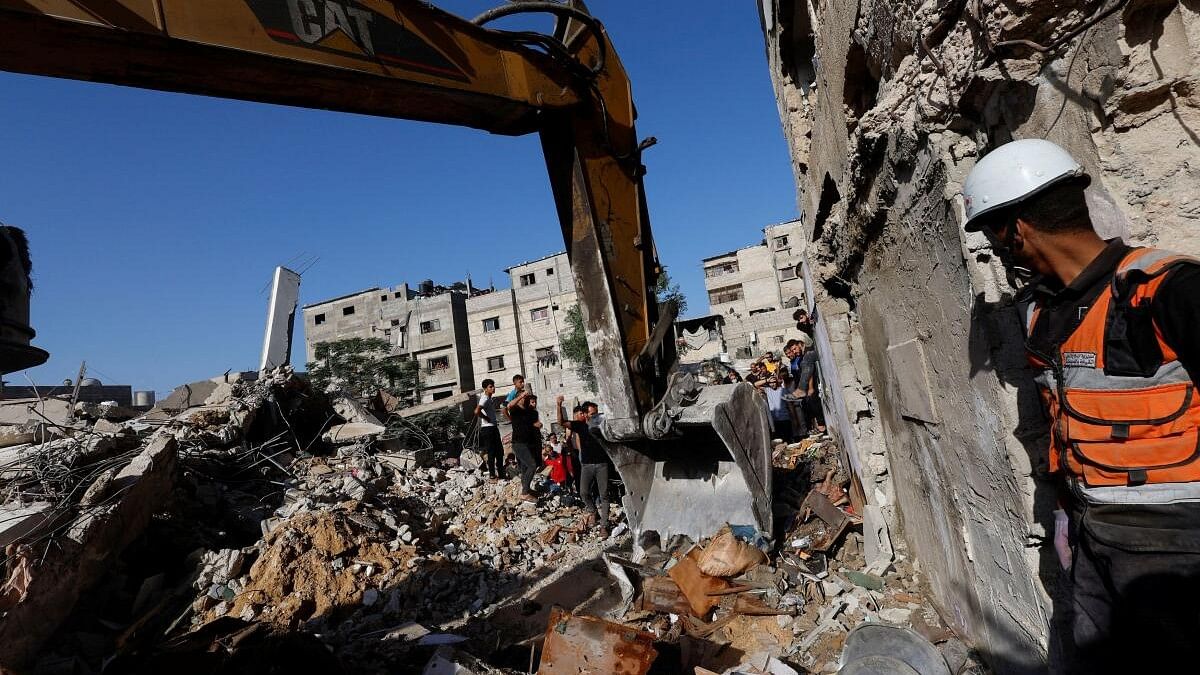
point(885, 107)
point(251, 523)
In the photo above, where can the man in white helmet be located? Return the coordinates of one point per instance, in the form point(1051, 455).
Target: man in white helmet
point(1114, 333)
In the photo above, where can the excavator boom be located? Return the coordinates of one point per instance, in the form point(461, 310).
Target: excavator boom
point(407, 59)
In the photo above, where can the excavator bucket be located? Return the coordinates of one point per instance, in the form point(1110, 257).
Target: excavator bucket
point(707, 462)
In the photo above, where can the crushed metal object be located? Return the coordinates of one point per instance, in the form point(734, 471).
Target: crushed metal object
point(575, 645)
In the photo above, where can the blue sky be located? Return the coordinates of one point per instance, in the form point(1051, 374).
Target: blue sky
point(156, 219)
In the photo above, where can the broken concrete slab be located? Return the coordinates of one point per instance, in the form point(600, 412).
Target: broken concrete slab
point(465, 400)
point(877, 539)
point(350, 410)
point(201, 392)
point(20, 411)
point(583, 644)
point(80, 557)
point(352, 432)
point(17, 521)
point(10, 436)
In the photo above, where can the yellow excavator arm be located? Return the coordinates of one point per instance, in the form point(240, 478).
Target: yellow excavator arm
point(403, 58)
point(407, 59)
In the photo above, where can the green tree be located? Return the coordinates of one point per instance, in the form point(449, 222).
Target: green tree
point(666, 289)
point(573, 343)
point(361, 366)
point(574, 347)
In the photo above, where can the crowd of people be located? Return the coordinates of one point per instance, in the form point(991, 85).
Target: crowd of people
point(789, 385)
point(577, 464)
point(570, 461)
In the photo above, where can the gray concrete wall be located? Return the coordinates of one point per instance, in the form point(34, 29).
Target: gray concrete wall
point(396, 314)
point(761, 320)
point(920, 344)
point(553, 290)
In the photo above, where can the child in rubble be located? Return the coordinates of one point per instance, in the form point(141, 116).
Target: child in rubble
point(562, 471)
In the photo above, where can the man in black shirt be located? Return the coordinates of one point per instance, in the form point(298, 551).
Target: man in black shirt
point(1113, 333)
point(526, 440)
point(593, 474)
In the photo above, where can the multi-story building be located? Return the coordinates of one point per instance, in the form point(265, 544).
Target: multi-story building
point(461, 335)
point(428, 325)
point(518, 330)
point(755, 289)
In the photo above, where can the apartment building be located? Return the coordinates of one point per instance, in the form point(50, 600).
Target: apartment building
point(428, 324)
point(755, 290)
point(517, 330)
point(462, 335)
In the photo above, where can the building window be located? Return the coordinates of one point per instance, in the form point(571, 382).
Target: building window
point(491, 324)
point(787, 273)
point(431, 326)
point(550, 271)
point(495, 363)
point(383, 298)
point(781, 242)
point(438, 364)
point(721, 269)
point(761, 310)
point(396, 294)
point(319, 319)
point(395, 322)
point(539, 314)
point(546, 357)
point(439, 395)
point(720, 296)
point(347, 311)
point(528, 279)
point(779, 338)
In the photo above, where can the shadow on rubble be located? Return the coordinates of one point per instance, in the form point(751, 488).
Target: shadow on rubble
point(997, 344)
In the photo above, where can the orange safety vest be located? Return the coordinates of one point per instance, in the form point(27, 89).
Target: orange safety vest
point(1113, 429)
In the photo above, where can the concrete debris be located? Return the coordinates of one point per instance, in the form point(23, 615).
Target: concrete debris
point(82, 553)
point(234, 524)
point(353, 432)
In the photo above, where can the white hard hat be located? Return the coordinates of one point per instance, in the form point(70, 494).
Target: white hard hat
point(1013, 172)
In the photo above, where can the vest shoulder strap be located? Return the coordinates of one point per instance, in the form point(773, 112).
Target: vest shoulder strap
point(1151, 262)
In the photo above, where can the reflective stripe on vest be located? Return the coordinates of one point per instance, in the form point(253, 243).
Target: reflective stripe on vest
point(1120, 429)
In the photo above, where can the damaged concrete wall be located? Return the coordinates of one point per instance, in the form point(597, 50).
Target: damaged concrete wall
point(886, 105)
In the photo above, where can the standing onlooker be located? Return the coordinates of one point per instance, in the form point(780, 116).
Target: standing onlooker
point(804, 322)
point(806, 386)
point(792, 398)
point(781, 421)
point(593, 470)
point(526, 440)
point(570, 447)
point(489, 433)
point(517, 390)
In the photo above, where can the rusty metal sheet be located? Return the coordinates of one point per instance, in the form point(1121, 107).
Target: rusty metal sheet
point(661, 594)
point(575, 645)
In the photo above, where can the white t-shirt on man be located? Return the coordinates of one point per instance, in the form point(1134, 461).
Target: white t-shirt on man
point(487, 405)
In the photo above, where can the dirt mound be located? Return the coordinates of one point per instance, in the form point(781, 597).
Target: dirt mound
point(316, 565)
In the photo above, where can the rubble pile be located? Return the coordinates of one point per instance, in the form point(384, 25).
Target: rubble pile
point(738, 603)
point(252, 520)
